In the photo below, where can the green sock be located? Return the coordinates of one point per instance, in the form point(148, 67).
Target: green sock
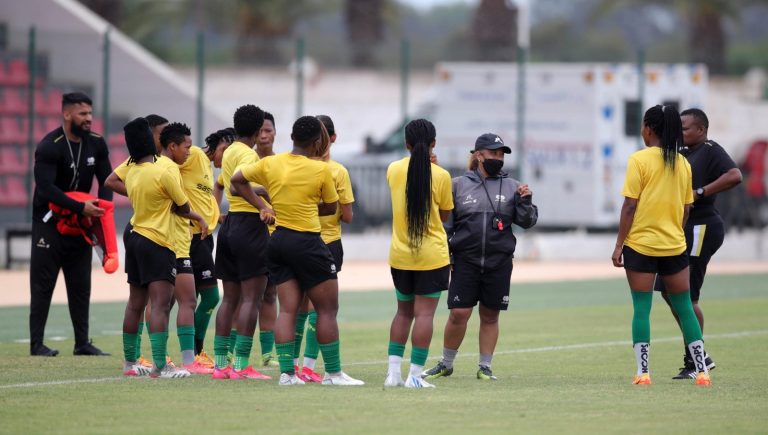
point(641, 319)
point(331, 356)
point(311, 349)
point(220, 351)
point(681, 303)
point(396, 349)
point(186, 335)
point(209, 298)
point(232, 340)
point(159, 341)
point(285, 357)
point(267, 341)
point(129, 347)
point(138, 337)
point(301, 320)
point(419, 355)
point(242, 351)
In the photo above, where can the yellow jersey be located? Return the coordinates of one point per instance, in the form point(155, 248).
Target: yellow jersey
point(235, 157)
point(657, 229)
point(181, 234)
point(153, 189)
point(433, 253)
point(296, 185)
point(197, 179)
point(331, 225)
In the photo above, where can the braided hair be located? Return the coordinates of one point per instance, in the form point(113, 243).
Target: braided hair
point(665, 123)
point(419, 135)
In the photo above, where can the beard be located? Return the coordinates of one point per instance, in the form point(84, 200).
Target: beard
point(80, 130)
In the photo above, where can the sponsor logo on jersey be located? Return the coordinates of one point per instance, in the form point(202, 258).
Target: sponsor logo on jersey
point(501, 198)
point(333, 268)
point(469, 200)
point(173, 272)
point(204, 188)
point(90, 161)
point(505, 300)
point(206, 274)
point(42, 243)
point(187, 263)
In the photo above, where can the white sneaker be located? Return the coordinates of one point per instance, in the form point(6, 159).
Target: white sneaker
point(286, 379)
point(393, 380)
point(341, 378)
point(169, 372)
point(417, 382)
point(136, 370)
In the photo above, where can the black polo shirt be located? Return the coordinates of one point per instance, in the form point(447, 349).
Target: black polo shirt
point(708, 162)
point(58, 169)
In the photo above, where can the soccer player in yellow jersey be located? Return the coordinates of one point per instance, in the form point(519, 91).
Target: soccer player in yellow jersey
point(240, 254)
point(331, 235)
point(657, 201)
point(299, 261)
point(268, 312)
point(176, 144)
point(116, 182)
point(154, 191)
point(418, 256)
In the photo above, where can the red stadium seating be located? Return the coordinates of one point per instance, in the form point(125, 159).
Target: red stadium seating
point(11, 131)
point(13, 192)
point(13, 102)
point(13, 160)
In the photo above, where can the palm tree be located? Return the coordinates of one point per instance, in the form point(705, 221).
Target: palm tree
point(706, 38)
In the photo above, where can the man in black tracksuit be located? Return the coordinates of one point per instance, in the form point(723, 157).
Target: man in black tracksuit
point(65, 160)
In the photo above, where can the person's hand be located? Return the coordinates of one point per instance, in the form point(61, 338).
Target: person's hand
point(523, 190)
point(616, 257)
point(267, 215)
point(91, 209)
point(433, 158)
point(203, 228)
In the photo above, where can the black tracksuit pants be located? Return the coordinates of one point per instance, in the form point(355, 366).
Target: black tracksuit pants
point(52, 252)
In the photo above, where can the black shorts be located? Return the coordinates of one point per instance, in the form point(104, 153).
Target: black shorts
point(469, 285)
point(184, 265)
point(147, 262)
point(638, 262)
point(201, 253)
point(421, 282)
point(241, 247)
point(703, 241)
point(299, 255)
point(337, 251)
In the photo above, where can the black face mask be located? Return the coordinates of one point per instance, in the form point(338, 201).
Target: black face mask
point(492, 166)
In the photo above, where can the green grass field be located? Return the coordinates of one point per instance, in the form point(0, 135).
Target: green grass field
point(564, 363)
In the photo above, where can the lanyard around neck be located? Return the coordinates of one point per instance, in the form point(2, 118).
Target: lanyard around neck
point(75, 163)
point(498, 198)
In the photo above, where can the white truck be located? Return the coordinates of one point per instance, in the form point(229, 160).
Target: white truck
point(582, 121)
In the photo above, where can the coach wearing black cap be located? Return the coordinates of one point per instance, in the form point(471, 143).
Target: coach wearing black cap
point(486, 204)
point(66, 160)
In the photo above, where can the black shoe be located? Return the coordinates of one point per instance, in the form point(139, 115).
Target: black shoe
point(42, 350)
point(709, 361)
point(688, 370)
point(440, 370)
point(89, 349)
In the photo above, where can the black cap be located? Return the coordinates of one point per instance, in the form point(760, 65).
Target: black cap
point(490, 141)
point(139, 139)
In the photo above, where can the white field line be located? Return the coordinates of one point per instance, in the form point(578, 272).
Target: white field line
point(578, 346)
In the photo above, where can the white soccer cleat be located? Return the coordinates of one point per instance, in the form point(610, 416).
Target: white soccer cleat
point(394, 380)
point(286, 379)
point(136, 370)
point(417, 382)
point(341, 379)
point(170, 371)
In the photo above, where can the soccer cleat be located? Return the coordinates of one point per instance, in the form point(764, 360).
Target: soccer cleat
point(309, 375)
point(144, 362)
point(89, 349)
point(709, 361)
point(417, 382)
point(169, 362)
point(247, 373)
point(440, 370)
point(221, 373)
point(485, 374)
point(341, 379)
point(703, 379)
point(393, 380)
point(644, 379)
point(198, 368)
point(687, 372)
point(43, 350)
point(169, 372)
point(137, 370)
point(204, 360)
point(286, 379)
point(269, 360)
